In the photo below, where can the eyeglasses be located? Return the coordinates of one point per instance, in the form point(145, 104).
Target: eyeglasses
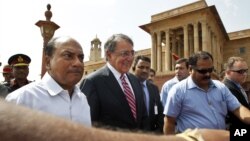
point(241, 71)
point(204, 71)
point(126, 53)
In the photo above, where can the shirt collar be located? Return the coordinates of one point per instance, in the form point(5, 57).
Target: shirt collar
point(191, 84)
point(114, 71)
point(53, 87)
point(175, 79)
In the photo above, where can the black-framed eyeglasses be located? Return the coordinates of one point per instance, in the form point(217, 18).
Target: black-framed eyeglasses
point(241, 71)
point(126, 53)
point(204, 71)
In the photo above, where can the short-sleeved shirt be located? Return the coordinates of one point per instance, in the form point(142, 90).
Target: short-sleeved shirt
point(47, 96)
point(195, 108)
point(165, 89)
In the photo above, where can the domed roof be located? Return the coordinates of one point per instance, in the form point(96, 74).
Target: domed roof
point(96, 40)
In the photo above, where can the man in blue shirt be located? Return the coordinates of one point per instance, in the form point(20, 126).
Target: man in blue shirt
point(181, 72)
point(199, 101)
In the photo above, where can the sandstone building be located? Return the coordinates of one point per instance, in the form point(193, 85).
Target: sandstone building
point(183, 31)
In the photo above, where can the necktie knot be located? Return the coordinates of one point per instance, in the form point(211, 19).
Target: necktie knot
point(122, 77)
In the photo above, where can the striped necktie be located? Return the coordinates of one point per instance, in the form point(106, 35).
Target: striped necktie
point(129, 95)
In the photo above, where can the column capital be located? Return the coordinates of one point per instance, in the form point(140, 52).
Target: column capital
point(155, 34)
point(195, 22)
point(167, 30)
point(203, 22)
point(185, 25)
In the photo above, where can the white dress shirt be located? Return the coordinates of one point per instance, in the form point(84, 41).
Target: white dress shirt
point(48, 96)
point(118, 75)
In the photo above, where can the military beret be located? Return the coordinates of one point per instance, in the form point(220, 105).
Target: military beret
point(7, 69)
point(19, 60)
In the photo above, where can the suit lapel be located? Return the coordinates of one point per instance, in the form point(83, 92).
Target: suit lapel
point(113, 85)
point(236, 92)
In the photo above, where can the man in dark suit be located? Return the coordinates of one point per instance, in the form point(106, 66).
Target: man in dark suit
point(111, 101)
point(235, 76)
point(152, 101)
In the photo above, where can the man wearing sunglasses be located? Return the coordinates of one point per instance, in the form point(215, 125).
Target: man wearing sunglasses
point(199, 101)
point(235, 76)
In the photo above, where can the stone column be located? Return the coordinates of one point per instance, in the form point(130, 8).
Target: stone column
point(179, 47)
point(173, 50)
point(167, 51)
point(209, 43)
point(174, 43)
point(196, 37)
point(185, 31)
point(214, 52)
point(219, 57)
point(159, 52)
point(191, 43)
point(204, 35)
point(153, 52)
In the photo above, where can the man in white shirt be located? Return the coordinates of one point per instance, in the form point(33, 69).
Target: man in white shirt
point(57, 92)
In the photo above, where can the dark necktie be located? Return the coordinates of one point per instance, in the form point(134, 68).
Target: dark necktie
point(129, 95)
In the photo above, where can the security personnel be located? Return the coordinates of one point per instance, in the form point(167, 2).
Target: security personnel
point(7, 74)
point(20, 66)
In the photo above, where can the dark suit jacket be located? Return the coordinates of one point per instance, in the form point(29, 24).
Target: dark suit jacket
point(234, 122)
point(155, 116)
point(108, 103)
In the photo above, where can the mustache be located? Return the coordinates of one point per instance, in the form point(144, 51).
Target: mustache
point(22, 73)
point(76, 71)
point(206, 78)
point(144, 73)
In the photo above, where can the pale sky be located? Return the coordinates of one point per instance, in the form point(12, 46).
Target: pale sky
point(84, 19)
